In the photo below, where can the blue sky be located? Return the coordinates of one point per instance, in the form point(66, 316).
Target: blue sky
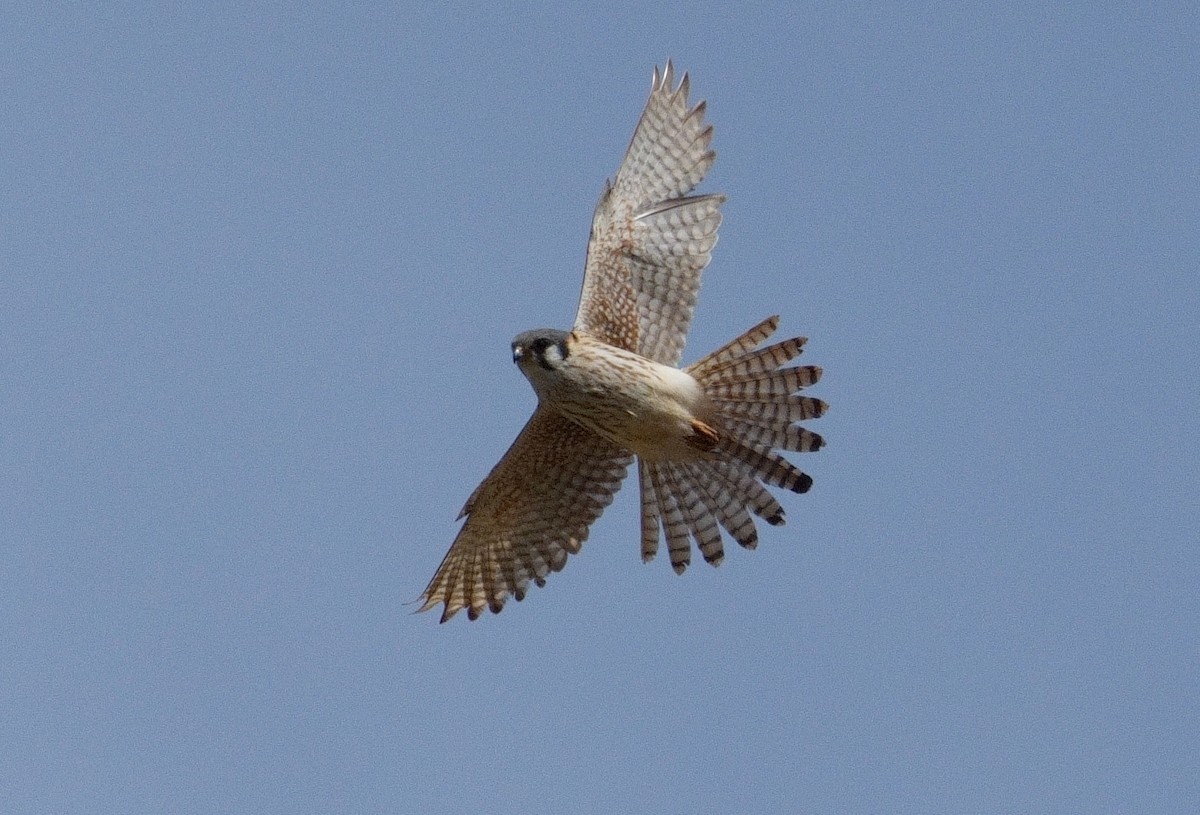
point(259, 270)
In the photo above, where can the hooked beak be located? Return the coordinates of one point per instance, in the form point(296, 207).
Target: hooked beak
point(518, 352)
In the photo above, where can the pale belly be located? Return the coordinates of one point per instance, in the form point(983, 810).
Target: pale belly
point(648, 408)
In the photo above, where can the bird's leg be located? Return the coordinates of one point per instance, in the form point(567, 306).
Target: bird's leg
point(703, 437)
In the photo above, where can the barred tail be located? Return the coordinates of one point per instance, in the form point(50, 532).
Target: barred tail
point(758, 406)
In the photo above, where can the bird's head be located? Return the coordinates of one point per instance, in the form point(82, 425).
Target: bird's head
point(540, 354)
point(544, 347)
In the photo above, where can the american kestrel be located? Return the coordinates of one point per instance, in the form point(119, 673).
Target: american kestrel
point(609, 391)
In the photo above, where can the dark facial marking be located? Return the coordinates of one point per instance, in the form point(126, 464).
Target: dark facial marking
point(542, 344)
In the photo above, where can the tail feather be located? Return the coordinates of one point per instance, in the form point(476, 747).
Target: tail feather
point(698, 512)
point(757, 406)
point(792, 437)
point(769, 466)
point(730, 512)
point(759, 387)
point(754, 496)
point(650, 513)
point(780, 410)
point(734, 349)
point(674, 525)
point(757, 362)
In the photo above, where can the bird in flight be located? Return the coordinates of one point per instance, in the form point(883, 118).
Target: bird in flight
point(705, 437)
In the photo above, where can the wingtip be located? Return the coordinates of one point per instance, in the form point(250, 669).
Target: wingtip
point(423, 599)
point(664, 80)
point(428, 603)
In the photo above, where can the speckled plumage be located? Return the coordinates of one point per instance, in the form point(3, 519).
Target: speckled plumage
point(705, 437)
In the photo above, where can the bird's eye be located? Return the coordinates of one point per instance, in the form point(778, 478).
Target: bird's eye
point(540, 345)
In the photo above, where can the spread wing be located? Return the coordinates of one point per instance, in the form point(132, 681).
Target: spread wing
point(650, 240)
point(531, 511)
